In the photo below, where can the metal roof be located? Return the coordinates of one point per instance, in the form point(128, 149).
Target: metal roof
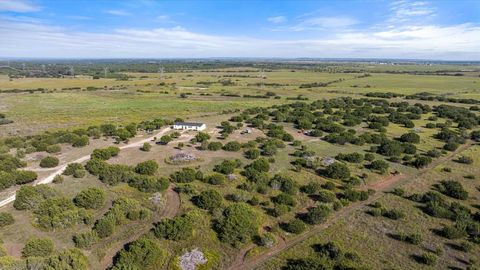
point(188, 124)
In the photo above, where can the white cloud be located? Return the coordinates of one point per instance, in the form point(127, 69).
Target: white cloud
point(408, 11)
point(277, 19)
point(319, 23)
point(163, 17)
point(118, 12)
point(18, 6)
point(31, 39)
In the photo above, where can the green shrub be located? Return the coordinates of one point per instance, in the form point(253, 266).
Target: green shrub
point(453, 189)
point(38, 247)
point(105, 153)
point(216, 179)
point(295, 226)
point(185, 175)
point(227, 166)
point(311, 188)
point(278, 210)
point(105, 226)
point(71, 168)
point(49, 162)
point(337, 171)
point(176, 229)
point(319, 214)
point(215, 146)
point(6, 219)
point(79, 173)
point(85, 239)
point(54, 149)
point(379, 165)
point(394, 214)
point(146, 183)
point(208, 200)
point(90, 198)
point(6, 180)
point(239, 224)
point(232, 146)
point(140, 254)
point(165, 139)
point(465, 160)
point(57, 212)
point(252, 153)
point(410, 137)
point(68, 259)
point(202, 137)
point(80, 141)
point(148, 167)
point(95, 166)
point(28, 197)
point(285, 199)
point(24, 177)
point(451, 146)
point(146, 147)
point(428, 258)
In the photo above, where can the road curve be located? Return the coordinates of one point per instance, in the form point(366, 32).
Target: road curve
point(59, 170)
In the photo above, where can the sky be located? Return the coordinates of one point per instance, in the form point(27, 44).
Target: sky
point(397, 29)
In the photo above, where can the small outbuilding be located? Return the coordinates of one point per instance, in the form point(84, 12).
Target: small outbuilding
point(189, 126)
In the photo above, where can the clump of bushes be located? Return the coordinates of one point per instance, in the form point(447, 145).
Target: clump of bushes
point(38, 247)
point(105, 153)
point(49, 162)
point(238, 225)
point(176, 229)
point(85, 239)
point(208, 200)
point(90, 198)
point(453, 189)
point(428, 258)
point(148, 167)
point(295, 226)
point(143, 253)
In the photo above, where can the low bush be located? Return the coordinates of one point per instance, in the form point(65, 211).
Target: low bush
point(90, 198)
point(295, 226)
point(149, 167)
point(49, 162)
point(71, 168)
point(176, 229)
point(85, 239)
point(38, 247)
point(208, 200)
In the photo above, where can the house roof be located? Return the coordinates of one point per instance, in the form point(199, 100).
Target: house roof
point(188, 124)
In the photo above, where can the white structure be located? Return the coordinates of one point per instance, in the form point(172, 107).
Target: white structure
point(189, 126)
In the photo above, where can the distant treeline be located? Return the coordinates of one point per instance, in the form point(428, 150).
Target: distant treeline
point(424, 96)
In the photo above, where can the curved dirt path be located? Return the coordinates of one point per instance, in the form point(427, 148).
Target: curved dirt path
point(171, 209)
point(388, 183)
point(59, 169)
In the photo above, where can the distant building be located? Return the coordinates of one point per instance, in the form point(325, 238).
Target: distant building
point(189, 126)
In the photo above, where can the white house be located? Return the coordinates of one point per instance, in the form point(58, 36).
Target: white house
point(189, 126)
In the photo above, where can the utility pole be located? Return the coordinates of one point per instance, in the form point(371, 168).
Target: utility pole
point(72, 71)
point(105, 72)
point(160, 70)
point(262, 77)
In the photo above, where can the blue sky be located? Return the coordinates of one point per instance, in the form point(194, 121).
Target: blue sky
point(444, 30)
